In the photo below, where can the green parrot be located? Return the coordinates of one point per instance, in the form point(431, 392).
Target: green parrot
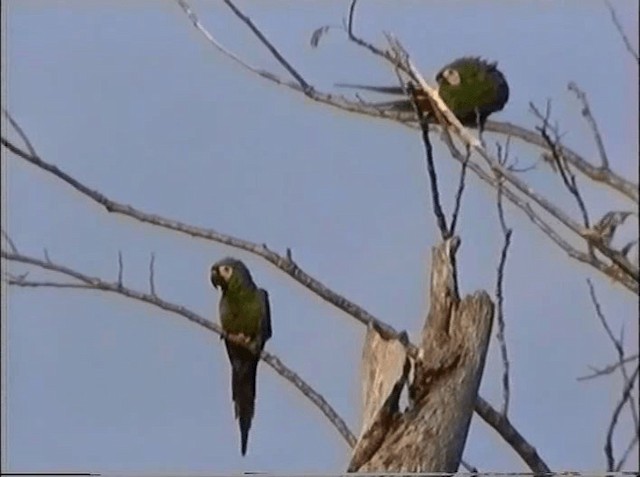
point(245, 314)
point(472, 88)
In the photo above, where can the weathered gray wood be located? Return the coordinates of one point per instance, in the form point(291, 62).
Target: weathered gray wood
point(430, 435)
point(385, 369)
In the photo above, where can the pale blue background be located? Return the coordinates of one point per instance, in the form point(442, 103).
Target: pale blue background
point(130, 99)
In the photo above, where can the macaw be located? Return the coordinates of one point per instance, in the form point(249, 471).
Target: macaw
point(471, 87)
point(244, 314)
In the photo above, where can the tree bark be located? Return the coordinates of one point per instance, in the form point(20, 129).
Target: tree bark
point(428, 436)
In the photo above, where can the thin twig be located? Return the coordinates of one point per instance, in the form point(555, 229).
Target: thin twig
point(120, 268)
point(506, 232)
point(23, 282)
point(10, 243)
point(458, 200)
point(627, 452)
point(470, 468)
point(586, 113)
point(617, 344)
point(359, 41)
point(595, 173)
point(620, 264)
point(554, 145)
point(626, 396)
point(628, 381)
point(152, 273)
point(193, 17)
point(607, 369)
point(510, 434)
point(623, 35)
point(21, 133)
point(441, 220)
point(272, 49)
point(95, 283)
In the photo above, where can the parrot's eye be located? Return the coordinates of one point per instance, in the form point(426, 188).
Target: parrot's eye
point(451, 76)
point(226, 271)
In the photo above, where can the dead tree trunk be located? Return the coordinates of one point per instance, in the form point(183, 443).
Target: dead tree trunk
point(429, 435)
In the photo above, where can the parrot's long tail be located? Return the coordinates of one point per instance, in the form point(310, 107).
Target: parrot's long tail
point(377, 89)
point(400, 105)
point(243, 389)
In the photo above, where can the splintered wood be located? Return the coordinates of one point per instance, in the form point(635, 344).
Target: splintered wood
point(385, 369)
point(428, 436)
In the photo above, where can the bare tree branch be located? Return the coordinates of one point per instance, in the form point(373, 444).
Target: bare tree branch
point(10, 243)
point(120, 268)
point(627, 452)
point(568, 178)
point(595, 173)
point(606, 227)
point(193, 17)
point(272, 49)
point(152, 273)
point(506, 232)
point(621, 266)
point(627, 394)
point(609, 178)
point(21, 133)
point(623, 35)
point(401, 60)
point(586, 113)
point(470, 468)
point(510, 434)
point(536, 217)
point(95, 283)
point(288, 266)
point(543, 224)
point(458, 199)
point(618, 345)
point(607, 369)
point(431, 171)
point(359, 41)
point(626, 397)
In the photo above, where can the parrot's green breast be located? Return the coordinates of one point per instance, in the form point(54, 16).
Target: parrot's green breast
point(242, 312)
point(464, 100)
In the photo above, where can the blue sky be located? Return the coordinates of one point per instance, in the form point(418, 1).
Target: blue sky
point(129, 98)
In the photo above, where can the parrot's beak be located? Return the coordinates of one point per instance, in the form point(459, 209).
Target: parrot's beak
point(215, 278)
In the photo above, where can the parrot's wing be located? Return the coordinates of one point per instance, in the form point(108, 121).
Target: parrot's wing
point(377, 89)
point(265, 319)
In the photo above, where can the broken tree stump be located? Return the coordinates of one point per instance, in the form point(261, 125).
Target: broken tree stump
point(442, 377)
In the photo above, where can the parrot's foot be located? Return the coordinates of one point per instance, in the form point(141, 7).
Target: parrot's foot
point(241, 337)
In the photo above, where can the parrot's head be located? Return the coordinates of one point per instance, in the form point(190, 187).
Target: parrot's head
point(448, 76)
point(465, 71)
point(230, 273)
